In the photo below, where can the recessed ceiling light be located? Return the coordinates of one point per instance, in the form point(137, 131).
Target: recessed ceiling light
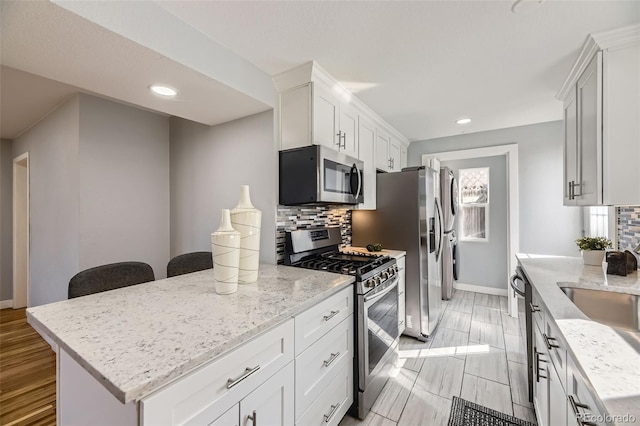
point(165, 91)
point(464, 120)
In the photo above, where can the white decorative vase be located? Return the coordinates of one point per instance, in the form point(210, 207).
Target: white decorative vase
point(593, 257)
point(247, 219)
point(225, 248)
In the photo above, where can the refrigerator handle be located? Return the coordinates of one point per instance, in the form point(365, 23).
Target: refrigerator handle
point(440, 230)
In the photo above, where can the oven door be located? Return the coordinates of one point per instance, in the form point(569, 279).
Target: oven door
point(340, 178)
point(378, 332)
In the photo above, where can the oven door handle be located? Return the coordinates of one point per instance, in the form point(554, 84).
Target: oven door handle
point(373, 298)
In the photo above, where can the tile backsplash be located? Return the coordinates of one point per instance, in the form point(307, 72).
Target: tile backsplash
point(628, 228)
point(289, 218)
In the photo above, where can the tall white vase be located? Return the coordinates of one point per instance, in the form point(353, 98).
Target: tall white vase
point(247, 219)
point(225, 248)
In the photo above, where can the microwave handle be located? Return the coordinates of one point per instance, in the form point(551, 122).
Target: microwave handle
point(359, 182)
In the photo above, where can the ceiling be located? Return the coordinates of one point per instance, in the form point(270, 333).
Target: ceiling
point(420, 65)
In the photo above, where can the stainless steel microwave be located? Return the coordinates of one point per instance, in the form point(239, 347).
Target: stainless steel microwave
point(318, 174)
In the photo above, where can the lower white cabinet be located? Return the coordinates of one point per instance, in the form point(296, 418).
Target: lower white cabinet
point(230, 418)
point(557, 399)
point(540, 378)
point(332, 404)
point(272, 402)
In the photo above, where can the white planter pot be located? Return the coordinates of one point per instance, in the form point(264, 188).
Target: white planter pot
point(593, 257)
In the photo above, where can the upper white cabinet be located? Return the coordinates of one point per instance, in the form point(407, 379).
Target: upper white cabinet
point(388, 152)
point(311, 115)
point(601, 99)
point(315, 109)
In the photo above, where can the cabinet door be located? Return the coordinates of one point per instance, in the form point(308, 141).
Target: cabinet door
point(557, 399)
point(349, 131)
point(382, 151)
point(570, 149)
point(403, 158)
point(230, 418)
point(541, 384)
point(272, 402)
point(366, 148)
point(394, 155)
point(325, 114)
point(589, 100)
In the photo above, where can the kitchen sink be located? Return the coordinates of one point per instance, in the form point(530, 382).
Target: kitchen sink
point(618, 310)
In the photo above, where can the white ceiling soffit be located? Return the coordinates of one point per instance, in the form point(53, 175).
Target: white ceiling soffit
point(421, 65)
point(43, 39)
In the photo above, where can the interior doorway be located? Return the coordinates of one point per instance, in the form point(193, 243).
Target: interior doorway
point(21, 231)
point(510, 151)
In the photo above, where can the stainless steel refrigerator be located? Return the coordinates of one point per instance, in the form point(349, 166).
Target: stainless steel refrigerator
point(449, 198)
point(408, 217)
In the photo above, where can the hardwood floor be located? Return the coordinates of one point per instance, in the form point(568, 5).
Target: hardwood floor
point(475, 353)
point(27, 373)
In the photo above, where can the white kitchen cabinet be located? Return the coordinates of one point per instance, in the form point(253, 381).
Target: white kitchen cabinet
point(557, 399)
point(401, 295)
point(580, 404)
point(403, 158)
point(311, 115)
point(395, 155)
point(272, 402)
point(230, 418)
point(366, 146)
point(541, 378)
point(388, 152)
point(601, 110)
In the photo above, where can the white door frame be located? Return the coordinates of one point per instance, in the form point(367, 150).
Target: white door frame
point(20, 161)
point(513, 218)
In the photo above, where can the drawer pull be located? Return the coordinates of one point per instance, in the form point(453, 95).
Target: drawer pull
point(254, 418)
point(329, 415)
point(247, 372)
point(574, 406)
point(534, 308)
point(538, 361)
point(327, 362)
point(550, 342)
point(331, 315)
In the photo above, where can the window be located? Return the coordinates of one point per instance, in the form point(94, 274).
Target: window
point(474, 204)
point(599, 221)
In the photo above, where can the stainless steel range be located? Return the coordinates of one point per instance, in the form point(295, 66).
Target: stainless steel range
point(376, 320)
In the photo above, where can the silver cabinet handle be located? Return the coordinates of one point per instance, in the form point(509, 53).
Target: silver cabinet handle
point(247, 372)
point(389, 163)
point(534, 308)
point(330, 414)
point(344, 140)
point(570, 189)
point(331, 315)
point(327, 362)
point(550, 341)
point(538, 361)
point(339, 138)
point(254, 418)
point(574, 406)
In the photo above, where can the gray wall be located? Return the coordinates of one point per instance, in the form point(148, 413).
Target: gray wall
point(208, 165)
point(54, 208)
point(6, 220)
point(124, 185)
point(485, 263)
point(546, 226)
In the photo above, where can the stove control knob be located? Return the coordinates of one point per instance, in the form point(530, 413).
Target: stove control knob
point(377, 281)
point(384, 275)
point(392, 272)
point(371, 282)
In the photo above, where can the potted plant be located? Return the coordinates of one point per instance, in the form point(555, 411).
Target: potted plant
point(593, 249)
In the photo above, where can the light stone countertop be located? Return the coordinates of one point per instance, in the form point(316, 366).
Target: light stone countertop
point(393, 253)
point(607, 361)
point(136, 339)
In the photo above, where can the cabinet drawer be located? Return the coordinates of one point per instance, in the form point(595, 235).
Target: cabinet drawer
point(537, 310)
point(315, 322)
point(557, 350)
point(333, 403)
point(317, 366)
point(208, 392)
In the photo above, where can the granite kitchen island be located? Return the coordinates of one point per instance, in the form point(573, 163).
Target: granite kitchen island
point(133, 341)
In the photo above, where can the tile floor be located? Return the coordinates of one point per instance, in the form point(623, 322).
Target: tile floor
point(476, 354)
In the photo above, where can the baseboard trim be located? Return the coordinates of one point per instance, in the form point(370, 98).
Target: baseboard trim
point(4, 304)
point(480, 289)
